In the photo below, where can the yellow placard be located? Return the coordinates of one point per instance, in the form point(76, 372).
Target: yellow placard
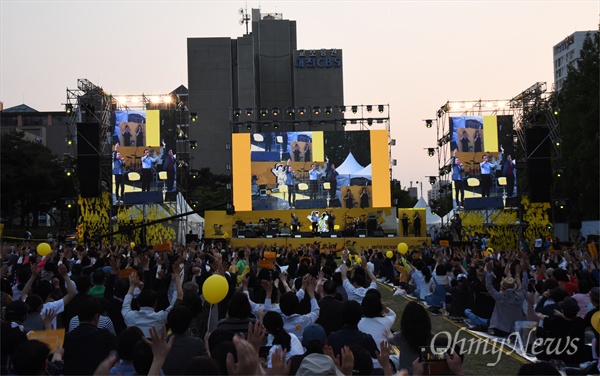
point(53, 338)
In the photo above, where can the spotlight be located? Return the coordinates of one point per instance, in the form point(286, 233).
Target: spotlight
point(557, 141)
point(264, 112)
point(275, 111)
point(316, 110)
point(193, 145)
point(343, 109)
point(301, 110)
point(237, 113)
point(69, 203)
point(194, 174)
point(276, 125)
point(556, 111)
point(558, 172)
point(290, 111)
point(432, 180)
point(69, 171)
point(394, 162)
point(69, 140)
point(370, 121)
point(344, 122)
point(354, 109)
point(328, 110)
point(248, 125)
point(69, 108)
point(431, 152)
point(194, 116)
point(428, 123)
point(380, 108)
point(369, 108)
point(249, 111)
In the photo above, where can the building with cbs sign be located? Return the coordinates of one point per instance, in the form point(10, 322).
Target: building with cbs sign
point(255, 74)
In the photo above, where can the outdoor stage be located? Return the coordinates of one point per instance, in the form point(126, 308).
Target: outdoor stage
point(353, 243)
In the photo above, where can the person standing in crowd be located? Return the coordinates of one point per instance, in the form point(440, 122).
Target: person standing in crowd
point(119, 173)
point(477, 142)
point(170, 166)
point(139, 135)
point(147, 162)
point(486, 179)
point(126, 136)
point(457, 178)
point(417, 224)
point(349, 199)
point(331, 177)
point(364, 198)
point(464, 142)
point(404, 221)
point(290, 181)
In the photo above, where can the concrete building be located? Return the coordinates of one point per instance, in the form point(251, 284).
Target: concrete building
point(566, 53)
point(254, 74)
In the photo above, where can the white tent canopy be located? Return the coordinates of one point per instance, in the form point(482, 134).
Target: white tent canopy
point(349, 166)
point(366, 173)
point(432, 220)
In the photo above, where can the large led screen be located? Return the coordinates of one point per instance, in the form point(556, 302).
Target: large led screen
point(144, 156)
point(312, 170)
point(483, 156)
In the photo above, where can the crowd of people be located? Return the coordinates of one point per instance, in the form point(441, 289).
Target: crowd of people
point(129, 310)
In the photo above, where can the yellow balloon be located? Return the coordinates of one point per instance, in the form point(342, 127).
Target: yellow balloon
point(389, 254)
point(358, 260)
point(403, 248)
point(132, 244)
point(44, 249)
point(215, 289)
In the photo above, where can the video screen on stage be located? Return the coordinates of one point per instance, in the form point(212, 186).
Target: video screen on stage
point(483, 156)
point(311, 170)
point(145, 155)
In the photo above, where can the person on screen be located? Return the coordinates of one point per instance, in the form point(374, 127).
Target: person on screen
point(486, 179)
point(313, 179)
point(508, 170)
point(464, 141)
point(331, 221)
point(127, 135)
point(295, 222)
point(457, 178)
point(477, 142)
point(349, 199)
point(404, 221)
point(268, 141)
point(170, 166)
point(364, 198)
point(147, 162)
point(139, 135)
point(118, 172)
point(331, 177)
point(307, 156)
point(290, 181)
point(297, 153)
point(417, 224)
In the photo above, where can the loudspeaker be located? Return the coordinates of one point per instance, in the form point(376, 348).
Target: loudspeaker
point(135, 198)
point(88, 139)
point(348, 233)
point(361, 233)
point(378, 234)
point(335, 203)
point(171, 196)
point(478, 203)
point(88, 174)
point(539, 168)
point(310, 204)
point(306, 234)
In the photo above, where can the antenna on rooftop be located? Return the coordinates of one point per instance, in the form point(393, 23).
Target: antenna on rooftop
point(245, 17)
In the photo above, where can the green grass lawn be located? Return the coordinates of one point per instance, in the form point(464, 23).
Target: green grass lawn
point(475, 364)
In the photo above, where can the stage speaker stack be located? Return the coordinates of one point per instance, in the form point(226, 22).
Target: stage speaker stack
point(88, 159)
point(480, 203)
point(539, 168)
point(136, 198)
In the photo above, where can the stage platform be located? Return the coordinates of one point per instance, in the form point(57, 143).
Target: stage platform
point(339, 243)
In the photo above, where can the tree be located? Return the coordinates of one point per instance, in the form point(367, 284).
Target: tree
point(32, 178)
point(579, 118)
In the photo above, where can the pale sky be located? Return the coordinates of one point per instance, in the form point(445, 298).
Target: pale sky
point(412, 55)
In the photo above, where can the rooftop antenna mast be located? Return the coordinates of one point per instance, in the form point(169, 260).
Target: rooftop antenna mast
point(245, 17)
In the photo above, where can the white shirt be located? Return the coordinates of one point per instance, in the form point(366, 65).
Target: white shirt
point(295, 349)
point(295, 324)
point(57, 306)
point(376, 326)
point(357, 293)
point(145, 318)
point(103, 323)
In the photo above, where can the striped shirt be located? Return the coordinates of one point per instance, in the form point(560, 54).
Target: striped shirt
point(104, 323)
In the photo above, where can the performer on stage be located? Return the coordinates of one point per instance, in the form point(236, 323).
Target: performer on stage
point(139, 136)
point(314, 220)
point(323, 222)
point(313, 176)
point(364, 198)
point(118, 172)
point(404, 221)
point(477, 142)
point(147, 162)
point(417, 223)
point(127, 136)
point(332, 179)
point(331, 221)
point(457, 178)
point(295, 222)
point(464, 142)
